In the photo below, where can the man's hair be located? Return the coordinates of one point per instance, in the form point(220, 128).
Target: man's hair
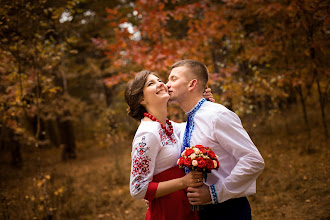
point(196, 69)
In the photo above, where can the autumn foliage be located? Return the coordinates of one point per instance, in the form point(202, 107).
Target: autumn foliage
point(261, 55)
point(63, 69)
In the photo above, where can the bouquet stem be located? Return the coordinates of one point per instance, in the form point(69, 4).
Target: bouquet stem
point(195, 207)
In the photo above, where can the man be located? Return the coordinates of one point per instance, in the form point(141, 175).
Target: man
point(223, 195)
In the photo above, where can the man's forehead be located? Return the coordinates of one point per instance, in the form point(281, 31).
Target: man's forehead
point(177, 71)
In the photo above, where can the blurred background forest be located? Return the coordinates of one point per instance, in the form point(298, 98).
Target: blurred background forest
point(65, 138)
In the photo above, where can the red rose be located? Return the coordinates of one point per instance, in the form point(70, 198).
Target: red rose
point(199, 146)
point(211, 154)
point(187, 162)
point(189, 151)
point(181, 161)
point(201, 163)
point(209, 165)
point(203, 151)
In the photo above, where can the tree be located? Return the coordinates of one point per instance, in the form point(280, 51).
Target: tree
point(256, 51)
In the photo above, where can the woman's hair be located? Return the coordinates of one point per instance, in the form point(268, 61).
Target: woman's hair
point(134, 95)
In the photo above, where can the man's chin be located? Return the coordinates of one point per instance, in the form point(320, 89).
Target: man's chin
point(172, 100)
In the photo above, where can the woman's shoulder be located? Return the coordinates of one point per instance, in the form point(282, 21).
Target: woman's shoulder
point(147, 129)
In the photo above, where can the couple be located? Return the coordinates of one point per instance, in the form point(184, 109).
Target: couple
point(158, 143)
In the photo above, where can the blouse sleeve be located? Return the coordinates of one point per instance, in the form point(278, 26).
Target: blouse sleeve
point(145, 148)
point(232, 137)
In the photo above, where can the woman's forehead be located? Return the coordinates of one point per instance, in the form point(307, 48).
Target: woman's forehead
point(152, 77)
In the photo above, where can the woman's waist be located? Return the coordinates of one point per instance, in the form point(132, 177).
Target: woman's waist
point(169, 174)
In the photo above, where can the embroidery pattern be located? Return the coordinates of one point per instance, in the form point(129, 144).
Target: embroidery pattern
point(190, 124)
point(165, 139)
point(190, 127)
point(141, 161)
point(214, 194)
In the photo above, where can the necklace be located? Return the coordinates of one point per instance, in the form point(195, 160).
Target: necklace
point(169, 131)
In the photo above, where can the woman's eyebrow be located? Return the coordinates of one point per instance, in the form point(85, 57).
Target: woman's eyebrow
point(152, 80)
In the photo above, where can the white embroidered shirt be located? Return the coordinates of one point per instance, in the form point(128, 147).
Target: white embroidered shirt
point(213, 125)
point(152, 152)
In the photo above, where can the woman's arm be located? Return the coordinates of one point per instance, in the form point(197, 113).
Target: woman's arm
point(144, 154)
point(192, 179)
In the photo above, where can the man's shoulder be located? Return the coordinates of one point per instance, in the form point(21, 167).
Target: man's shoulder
point(214, 108)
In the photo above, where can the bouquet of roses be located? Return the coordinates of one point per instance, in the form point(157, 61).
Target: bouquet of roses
point(199, 158)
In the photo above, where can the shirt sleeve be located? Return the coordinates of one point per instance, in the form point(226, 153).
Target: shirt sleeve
point(145, 148)
point(233, 138)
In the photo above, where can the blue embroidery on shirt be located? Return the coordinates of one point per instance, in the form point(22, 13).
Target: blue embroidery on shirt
point(214, 194)
point(190, 124)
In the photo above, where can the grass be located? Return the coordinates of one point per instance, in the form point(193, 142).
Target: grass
point(294, 184)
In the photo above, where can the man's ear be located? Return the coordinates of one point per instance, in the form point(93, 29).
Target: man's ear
point(192, 84)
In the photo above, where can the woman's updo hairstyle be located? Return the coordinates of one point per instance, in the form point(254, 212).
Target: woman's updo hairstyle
point(134, 95)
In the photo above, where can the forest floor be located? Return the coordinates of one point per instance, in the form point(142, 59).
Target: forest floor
point(294, 185)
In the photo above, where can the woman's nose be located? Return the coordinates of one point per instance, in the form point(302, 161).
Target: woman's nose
point(160, 84)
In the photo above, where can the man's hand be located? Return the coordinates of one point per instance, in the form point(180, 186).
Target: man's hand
point(199, 195)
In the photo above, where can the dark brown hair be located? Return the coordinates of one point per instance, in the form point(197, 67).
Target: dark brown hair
point(134, 94)
point(197, 69)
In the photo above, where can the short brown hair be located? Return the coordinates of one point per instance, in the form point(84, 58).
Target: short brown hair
point(197, 69)
point(134, 94)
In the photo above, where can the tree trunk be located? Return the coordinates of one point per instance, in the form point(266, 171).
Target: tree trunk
point(67, 137)
point(322, 107)
point(303, 105)
point(15, 149)
point(53, 133)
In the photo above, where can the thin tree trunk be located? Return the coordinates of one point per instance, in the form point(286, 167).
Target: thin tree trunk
point(322, 107)
point(303, 105)
point(67, 137)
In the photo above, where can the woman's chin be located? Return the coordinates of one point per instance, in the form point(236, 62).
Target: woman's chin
point(166, 97)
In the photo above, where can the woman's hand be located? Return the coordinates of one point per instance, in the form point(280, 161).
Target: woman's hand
point(192, 179)
point(208, 95)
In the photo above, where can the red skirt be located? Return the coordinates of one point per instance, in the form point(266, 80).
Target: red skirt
point(173, 206)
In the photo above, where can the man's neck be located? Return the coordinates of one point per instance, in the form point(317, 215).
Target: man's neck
point(190, 102)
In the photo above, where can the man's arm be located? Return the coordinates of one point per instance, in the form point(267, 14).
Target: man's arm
point(232, 137)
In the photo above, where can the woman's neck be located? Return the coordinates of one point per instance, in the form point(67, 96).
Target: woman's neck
point(159, 113)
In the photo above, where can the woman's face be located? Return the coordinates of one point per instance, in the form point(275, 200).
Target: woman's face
point(154, 91)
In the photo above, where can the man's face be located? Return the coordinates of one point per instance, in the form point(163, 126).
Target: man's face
point(178, 84)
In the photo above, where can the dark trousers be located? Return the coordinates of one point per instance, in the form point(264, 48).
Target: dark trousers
point(233, 209)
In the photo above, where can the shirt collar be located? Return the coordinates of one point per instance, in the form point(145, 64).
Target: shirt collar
point(195, 109)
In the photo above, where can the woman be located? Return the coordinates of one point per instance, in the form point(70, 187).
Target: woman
point(155, 151)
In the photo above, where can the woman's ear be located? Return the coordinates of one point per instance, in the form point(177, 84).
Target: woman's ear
point(143, 102)
point(192, 84)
